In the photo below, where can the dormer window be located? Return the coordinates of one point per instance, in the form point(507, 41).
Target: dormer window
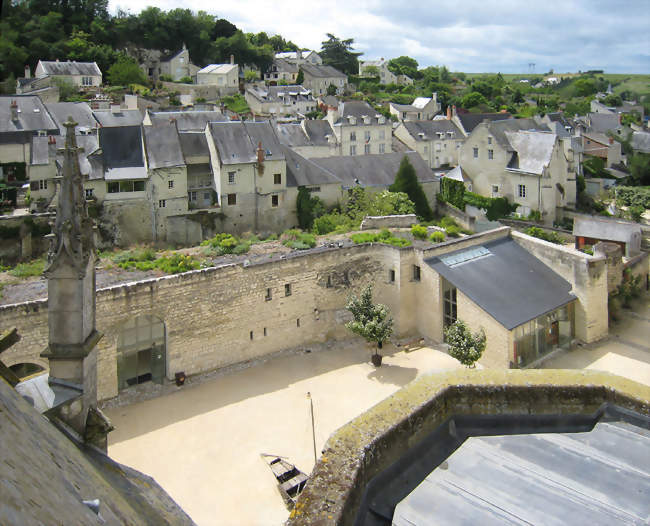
point(366, 119)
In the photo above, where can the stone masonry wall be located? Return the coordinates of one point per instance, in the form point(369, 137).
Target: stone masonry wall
point(396, 221)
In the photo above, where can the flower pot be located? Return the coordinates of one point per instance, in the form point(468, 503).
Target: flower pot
point(180, 378)
point(376, 360)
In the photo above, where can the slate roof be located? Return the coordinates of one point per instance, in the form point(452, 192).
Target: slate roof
point(602, 122)
point(291, 134)
point(534, 150)
point(405, 107)
point(88, 69)
point(32, 115)
point(187, 120)
point(40, 151)
point(469, 121)
point(110, 119)
point(605, 229)
point(358, 110)
point(305, 172)
point(79, 111)
point(499, 128)
point(430, 129)
point(280, 93)
point(317, 130)
point(510, 284)
point(122, 147)
point(163, 146)
point(45, 476)
point(376, 170)
point(194, 144)
point(237, 142)
point(641, 142)
point(284, 66)
point(321, 71)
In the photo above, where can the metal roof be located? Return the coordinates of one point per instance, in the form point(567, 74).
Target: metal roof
point(510, 284)
point(600, 477)
point(70, 68)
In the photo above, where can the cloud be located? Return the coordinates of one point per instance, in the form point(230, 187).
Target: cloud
point(472, 35)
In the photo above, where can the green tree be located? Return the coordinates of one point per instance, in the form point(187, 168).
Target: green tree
point(370, 71)
point(406, 181)
point(387, 203)
point(251, 76)
point(370, 321)
point(466, 347)
point(339, 54)
point(125, 71)
point(403, 66)
point(331, 89)
point(300, 78)
point(308, 208)
point(584, 87)
point(473, 99)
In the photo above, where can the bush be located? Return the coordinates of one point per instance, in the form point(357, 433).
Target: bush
point(635, 213)
point(453, 231)
point(447, 221)
point(452, 192)
point(26, 270)
point(384, 236)
point(537, 232)
point(177, 263)
point(466, 347)
point(298, 240)
point(419, 231)
point(437, 237)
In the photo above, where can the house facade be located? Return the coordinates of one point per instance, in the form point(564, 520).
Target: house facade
point(385, 75)
point(281, 71)
point(515, 159)
point(422, 109)
point(438, 141)
point(280, 101)
point(318, 78)
point(79, 74)
point(310, 138)
point(224, 76)
point(360, 130)
point(178, 65)
point(300, 57)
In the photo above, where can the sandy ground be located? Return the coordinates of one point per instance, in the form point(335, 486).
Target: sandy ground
point(203, 443)
point(625, 352)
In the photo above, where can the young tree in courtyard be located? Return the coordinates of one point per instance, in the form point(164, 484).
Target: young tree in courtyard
point(406, 181)
point(370, 321)
point(466, 347)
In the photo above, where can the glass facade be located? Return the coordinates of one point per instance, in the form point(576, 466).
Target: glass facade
point(543, 335)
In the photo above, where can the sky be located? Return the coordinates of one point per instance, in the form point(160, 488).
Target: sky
point(464, 35)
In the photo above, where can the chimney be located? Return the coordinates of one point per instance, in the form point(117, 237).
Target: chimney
point(453, 110)
point(448, 113)
point(14, 111)
point(232, 59)
point(299, 55)
point(28, 72)
point(260, 158)
point(611, 140)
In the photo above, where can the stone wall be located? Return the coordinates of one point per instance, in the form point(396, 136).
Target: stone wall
point(396, 221)
point(24, 244)
point(463, 219)
point(198, 91)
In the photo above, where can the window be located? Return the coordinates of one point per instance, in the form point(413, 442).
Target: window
point(391, 276)
point(269, 295)
point(264, 331)
point(353, 149)
point(489, 140)
point(366, 136)
point(170, 184)
point(192, 196)
point(231, 177)
point(274, 200)
point(495, 190)
point(475, 153)
point(314, 189)
point(353, 136)
point(490, 154)
point(161, 203)
point(297, 322)
point(449, 304)
point(42, 184)
point(277, 178)
point(287, 289)
point(366, 148)
point(416, 273)
point(251, 335)
point(206, 196)
point(86, 81)
point(232, 199)
point(42, 133)
point(113, 187)
point(89, 193)
point(382, 148)
point(521, 190)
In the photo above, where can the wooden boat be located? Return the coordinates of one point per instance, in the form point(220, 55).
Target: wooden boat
point(291, 480)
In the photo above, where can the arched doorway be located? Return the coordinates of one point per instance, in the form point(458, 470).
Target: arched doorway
point(141, 351)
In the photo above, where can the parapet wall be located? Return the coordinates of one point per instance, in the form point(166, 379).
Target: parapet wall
point(397, 221)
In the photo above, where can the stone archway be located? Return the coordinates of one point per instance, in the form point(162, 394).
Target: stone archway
point(141, 351)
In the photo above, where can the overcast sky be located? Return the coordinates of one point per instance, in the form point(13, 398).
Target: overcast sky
point(464, 35)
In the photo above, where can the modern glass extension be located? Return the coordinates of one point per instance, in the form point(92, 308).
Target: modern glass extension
point(542, 335)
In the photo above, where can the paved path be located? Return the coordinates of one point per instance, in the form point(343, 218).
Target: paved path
point(203, 443)
point(625, 352)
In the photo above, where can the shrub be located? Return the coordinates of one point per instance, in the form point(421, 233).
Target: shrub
point(419, 231)
point(537, 232)
point(633, 196)
point(635, 213)
point(466, 347)
point(26, 270)
point(447, 221)
point(453, 231)
point(382, 237)
point(298, 240)
point(452, 192)
point(242, 248)
point(437, 237)
point(177, 263)
point(406, 181)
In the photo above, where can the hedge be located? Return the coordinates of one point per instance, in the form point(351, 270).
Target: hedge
point(633, 196)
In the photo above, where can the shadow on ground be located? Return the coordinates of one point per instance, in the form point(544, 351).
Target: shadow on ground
point(393, 374)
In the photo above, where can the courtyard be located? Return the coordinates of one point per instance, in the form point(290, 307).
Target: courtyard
point(203, 441)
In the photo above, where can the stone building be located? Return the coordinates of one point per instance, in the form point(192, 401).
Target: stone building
point(319, 78)
point(437, 141)
point(359, 129)
point(311, 138)
point(280, 101)
point(79, 74)
point(421, 109)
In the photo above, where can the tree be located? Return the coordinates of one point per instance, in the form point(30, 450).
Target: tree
point(387, 203)
point(370, 321)
point(308, 208)
point(331, 89)
point(370, 71)
point(251, 76)
point(300, 78)
point(403, 66)
point(125, 71)
point(466, 347)
point(406, 181)
point(473, 99)
point(339, 54)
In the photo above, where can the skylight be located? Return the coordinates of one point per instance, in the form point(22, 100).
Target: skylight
point(471, 254)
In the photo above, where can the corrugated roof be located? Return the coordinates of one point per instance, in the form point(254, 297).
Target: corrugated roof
point(163, 146)
point(510, 284)
point(71, 68)
point(32, 115)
